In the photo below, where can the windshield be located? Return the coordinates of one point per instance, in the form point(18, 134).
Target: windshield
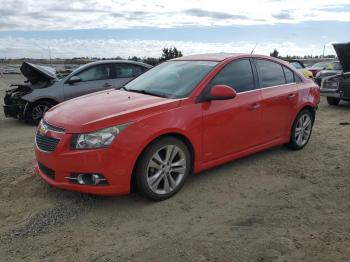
point(174, 79)
point(296, 65)
point(320, 65)
point(334, 66)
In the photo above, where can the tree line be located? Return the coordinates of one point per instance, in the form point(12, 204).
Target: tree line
point(275, 53)
point(167, 53)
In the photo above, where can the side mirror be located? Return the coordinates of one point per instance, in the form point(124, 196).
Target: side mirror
point(74, 79)
point(221, 92)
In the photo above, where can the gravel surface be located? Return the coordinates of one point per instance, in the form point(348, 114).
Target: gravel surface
point(277, 205)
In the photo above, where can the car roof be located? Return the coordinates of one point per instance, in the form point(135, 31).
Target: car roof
point(219, 57)
point(207, 57)
point(119, 61)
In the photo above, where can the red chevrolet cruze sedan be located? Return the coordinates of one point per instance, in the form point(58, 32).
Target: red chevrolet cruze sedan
point(185, 115)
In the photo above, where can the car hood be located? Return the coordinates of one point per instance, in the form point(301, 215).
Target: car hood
point(329, 72)
point(36, 73)
point(103, 109)
point(343, 53)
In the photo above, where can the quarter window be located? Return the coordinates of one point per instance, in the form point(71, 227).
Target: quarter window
point(238, 75)
point(99, 72)
point(289, 75)
point(270, 73)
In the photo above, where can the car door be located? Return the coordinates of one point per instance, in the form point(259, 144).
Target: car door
point(232, 125)
point(92, 79)
point(279, 98)
point(125, 72)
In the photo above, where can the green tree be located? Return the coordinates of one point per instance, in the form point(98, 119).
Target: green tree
point(274, 53)
point(170, 53)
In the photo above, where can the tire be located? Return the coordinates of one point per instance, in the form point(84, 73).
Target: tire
point(301, 130)
point(154, 176)
point(36, 111)
point(332, 101)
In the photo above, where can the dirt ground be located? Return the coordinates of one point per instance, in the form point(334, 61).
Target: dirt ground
point(277, 205)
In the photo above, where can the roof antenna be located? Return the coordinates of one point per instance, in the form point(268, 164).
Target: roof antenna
point(253, 49)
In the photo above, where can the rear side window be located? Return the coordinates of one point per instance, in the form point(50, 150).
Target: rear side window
point(238, 75)
point(270, 73)
point(128, 70)
point(289, 75)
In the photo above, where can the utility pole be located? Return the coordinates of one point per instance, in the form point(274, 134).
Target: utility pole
point(50, 55)
point(324, 48)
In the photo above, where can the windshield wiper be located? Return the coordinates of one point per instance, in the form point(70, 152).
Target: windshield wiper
point(144, 92)
point(123, 88)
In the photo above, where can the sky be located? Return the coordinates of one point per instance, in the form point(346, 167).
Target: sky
point(111, 28)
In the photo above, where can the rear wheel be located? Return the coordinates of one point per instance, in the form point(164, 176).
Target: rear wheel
point(301, 130)
point(37, 110)
point(332, 101)
point(163, 168)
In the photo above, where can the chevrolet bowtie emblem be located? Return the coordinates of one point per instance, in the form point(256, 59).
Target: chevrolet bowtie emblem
point(43, 129)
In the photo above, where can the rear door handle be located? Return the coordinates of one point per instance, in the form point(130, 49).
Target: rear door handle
point(107, 85)
point(254, 107)
point(292, 96)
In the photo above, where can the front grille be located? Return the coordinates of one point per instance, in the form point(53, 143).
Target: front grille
point(47, 171)
point(46, 143)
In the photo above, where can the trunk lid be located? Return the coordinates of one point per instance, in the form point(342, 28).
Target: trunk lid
point(343, 53)
point(36, 73)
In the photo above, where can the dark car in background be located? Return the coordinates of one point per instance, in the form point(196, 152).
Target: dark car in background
point(333, 68)
point(337, 87)
point(315, 68)
point(43, 89)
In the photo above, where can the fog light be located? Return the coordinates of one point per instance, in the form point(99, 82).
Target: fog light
point(80, 179)
point(87, 179)
point(96, 179)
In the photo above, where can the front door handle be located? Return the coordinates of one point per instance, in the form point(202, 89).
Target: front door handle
point(254, 107)
point(107, 85)
point(292, 96)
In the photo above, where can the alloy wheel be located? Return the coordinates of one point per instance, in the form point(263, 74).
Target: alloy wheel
point(38, 112)
point(166, 169)
point(303, 129)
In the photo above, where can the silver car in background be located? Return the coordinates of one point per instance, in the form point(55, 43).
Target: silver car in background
point(42, 90)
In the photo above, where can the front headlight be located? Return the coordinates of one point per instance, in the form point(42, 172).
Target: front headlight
point(330, 84)
point(98, 139)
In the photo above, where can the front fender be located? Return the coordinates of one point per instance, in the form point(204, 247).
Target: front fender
point(54, 92)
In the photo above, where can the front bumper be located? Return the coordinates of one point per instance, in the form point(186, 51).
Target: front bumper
point(63, 161)
point(12, 111)
point(14, 106)
point(111, 190)
point(330, 93)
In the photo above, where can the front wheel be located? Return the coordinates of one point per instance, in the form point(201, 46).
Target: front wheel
point(36, 111)
point(163, 168)
point(301, 130)
point(332, 101)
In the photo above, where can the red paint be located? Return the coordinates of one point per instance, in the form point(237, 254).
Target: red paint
point(219, 130)
point(222, 92)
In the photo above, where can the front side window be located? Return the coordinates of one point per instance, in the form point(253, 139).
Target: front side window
point(98, 72)
point(128, 70)
point(238, 75)
point(270, 73)
point(173, 79)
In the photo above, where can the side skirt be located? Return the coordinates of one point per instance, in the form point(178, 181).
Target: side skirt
point(228, 158)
